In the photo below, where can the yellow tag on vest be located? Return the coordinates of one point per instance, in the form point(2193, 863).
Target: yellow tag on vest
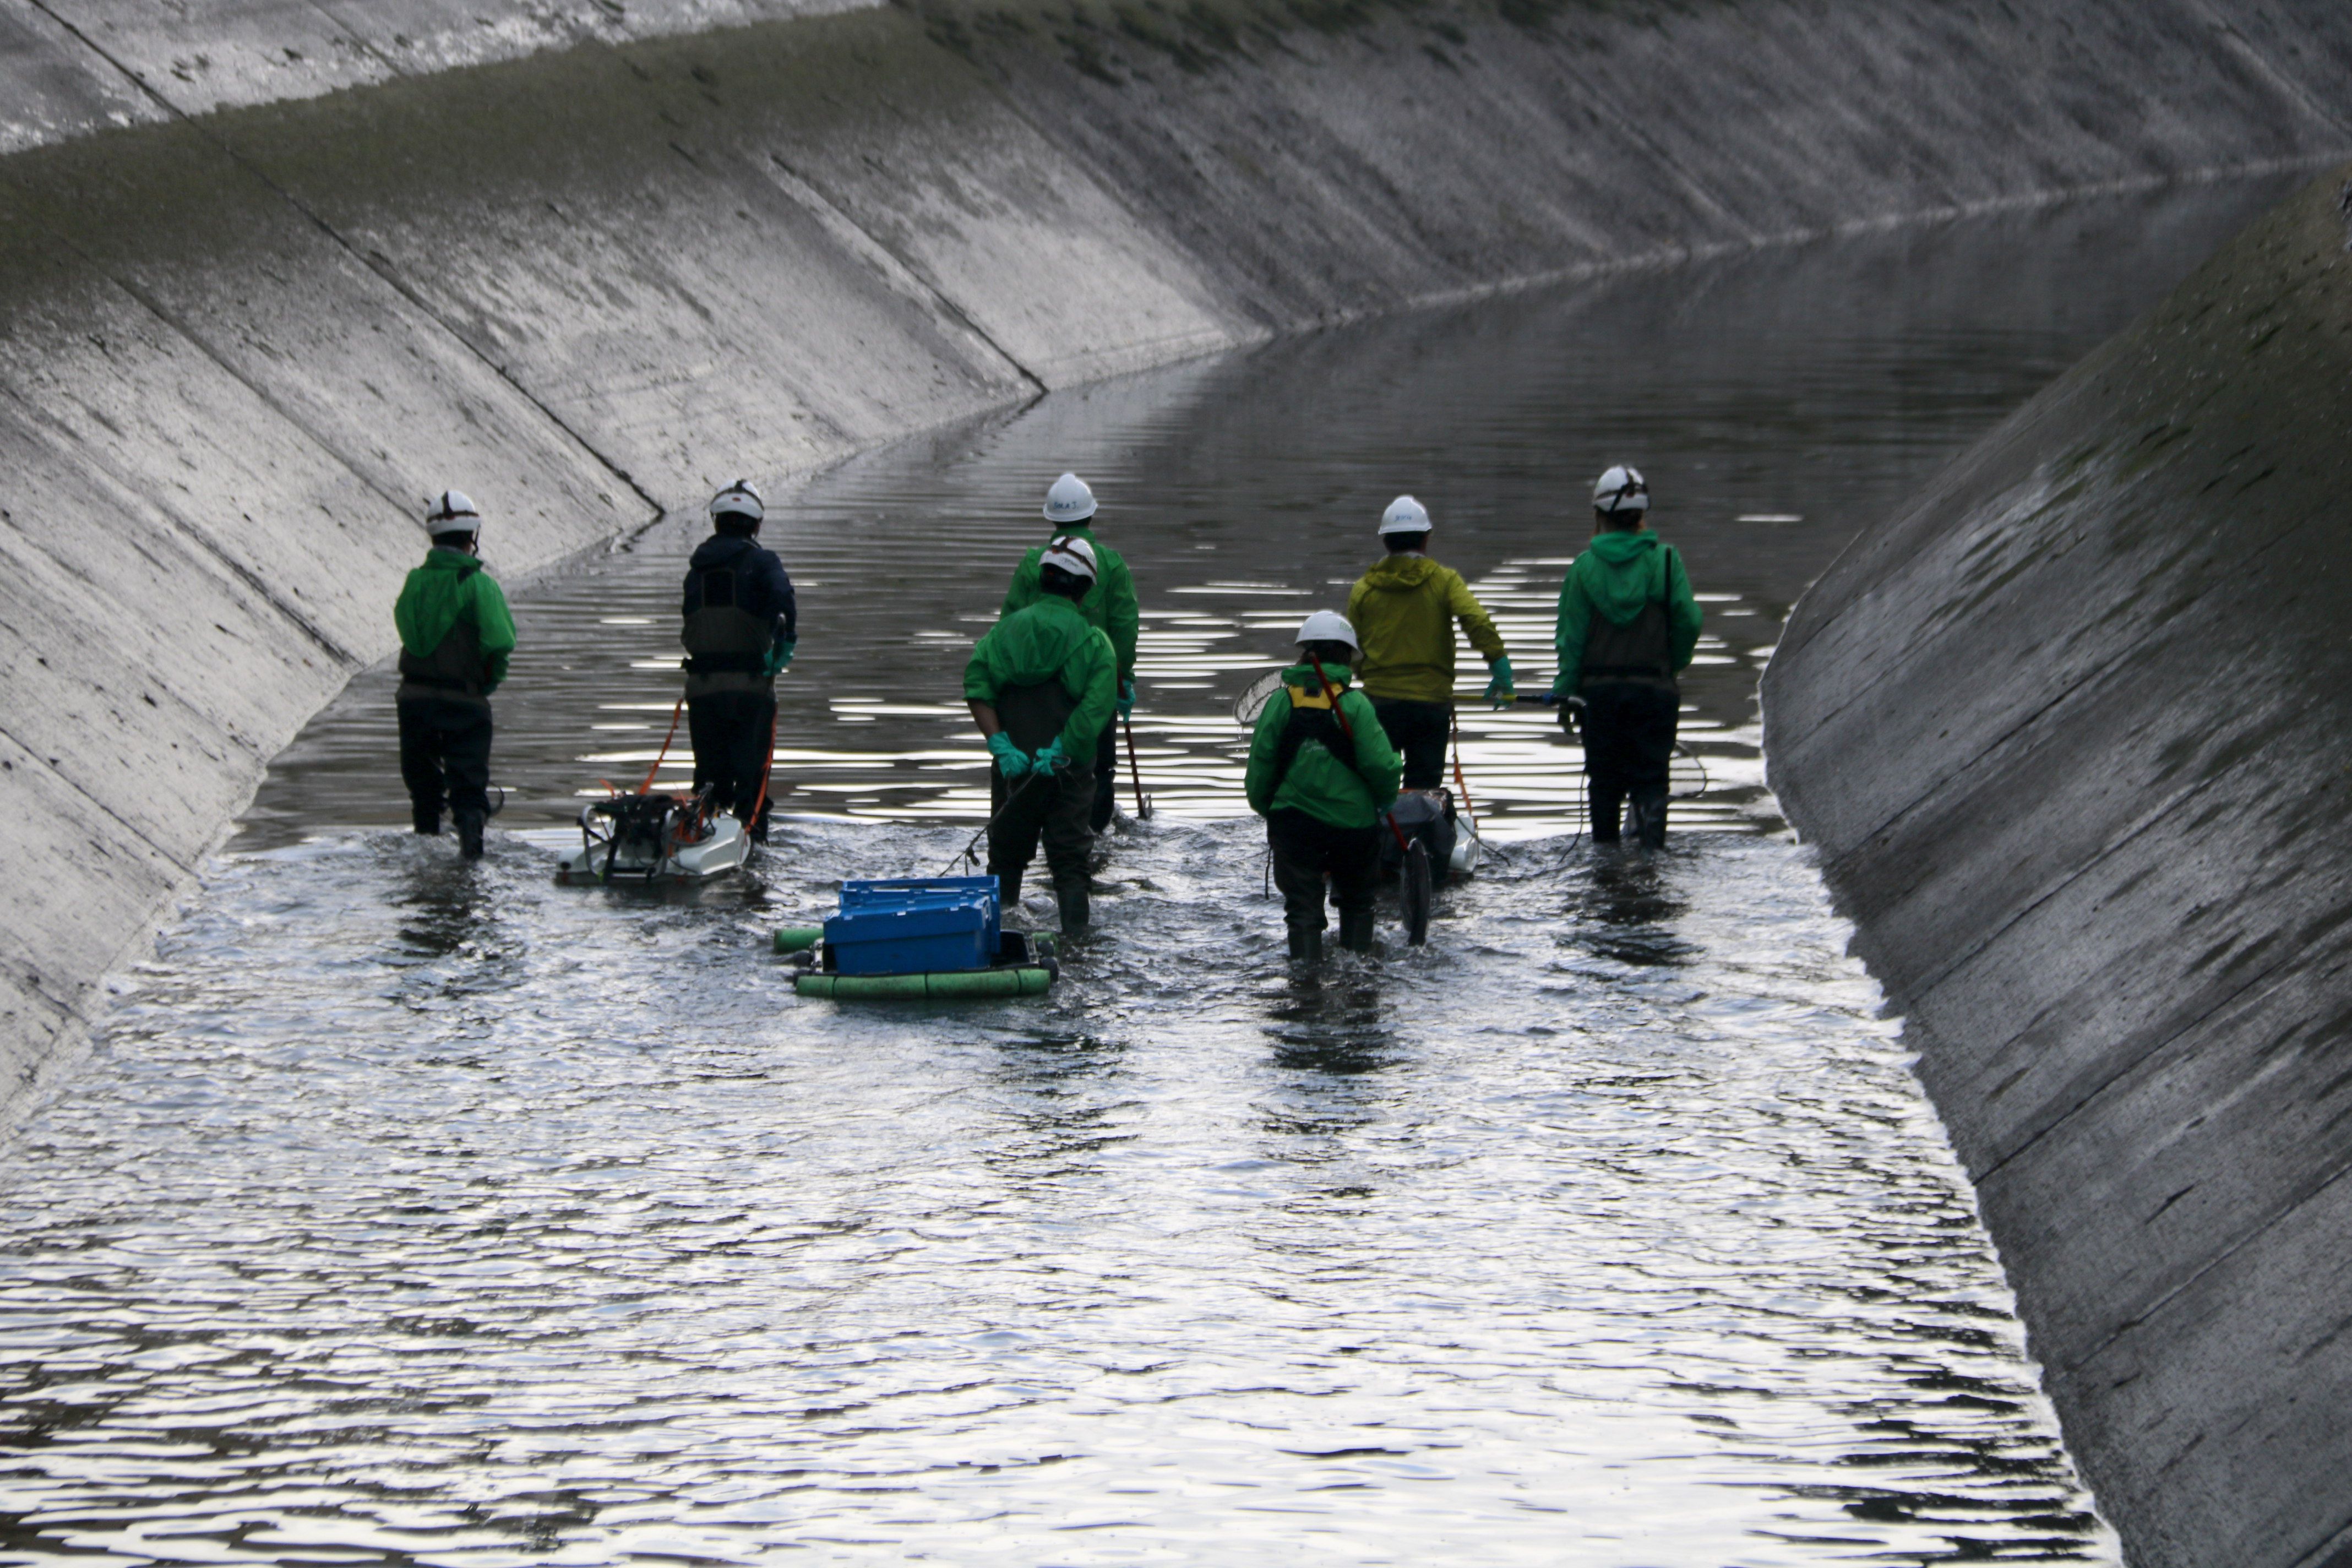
point(1299, 698)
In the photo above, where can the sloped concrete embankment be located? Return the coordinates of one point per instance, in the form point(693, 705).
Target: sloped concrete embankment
point(2073, 735)
point(271, 272)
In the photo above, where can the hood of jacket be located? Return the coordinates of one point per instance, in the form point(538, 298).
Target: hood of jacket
point(1623, 572)
point(722, 550)
point(1404, 571)
point(1031, 645)
point(1303, 674)
point(433, 597)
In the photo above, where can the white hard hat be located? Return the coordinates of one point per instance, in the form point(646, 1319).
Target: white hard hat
point(1327, 626)
point(1622, 488)
point(1070, 501)
point(1075, 556)
point(451, 511)
point(1405, 515)
point(740, 499)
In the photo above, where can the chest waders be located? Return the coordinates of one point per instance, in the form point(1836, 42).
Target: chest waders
point(1640, 652)
point(454, 671)
point(1416, 894)
point(1056, 809)
point(1632, 700)
point(726, 646)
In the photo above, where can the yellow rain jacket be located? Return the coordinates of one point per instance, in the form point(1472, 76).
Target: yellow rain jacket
point(1404, 611)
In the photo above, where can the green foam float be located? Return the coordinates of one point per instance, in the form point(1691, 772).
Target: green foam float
point(1028, 980)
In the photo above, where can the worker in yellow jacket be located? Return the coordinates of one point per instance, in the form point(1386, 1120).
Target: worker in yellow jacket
point(1404, 611)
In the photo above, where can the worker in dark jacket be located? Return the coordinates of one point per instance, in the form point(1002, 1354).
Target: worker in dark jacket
point(1628, 626)
point(455, 635)
point(1043, 684)
point(1322, 771)
point(741, 625)
point(1109, 604)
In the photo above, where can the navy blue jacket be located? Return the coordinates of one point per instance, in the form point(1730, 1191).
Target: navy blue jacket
point(761, 584)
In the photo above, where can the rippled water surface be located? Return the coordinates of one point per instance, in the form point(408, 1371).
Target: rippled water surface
point(414, 1212)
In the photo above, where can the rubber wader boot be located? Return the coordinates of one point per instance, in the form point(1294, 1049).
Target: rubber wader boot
point(429, 822)
point(1649, 820)
point(1604, 820)
point(1008, 889)
point(1307, 944)
point(470, 836)
point(1356, 930)
point(1074, 912)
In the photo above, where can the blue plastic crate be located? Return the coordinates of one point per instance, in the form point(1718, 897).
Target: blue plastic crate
point(914, 926)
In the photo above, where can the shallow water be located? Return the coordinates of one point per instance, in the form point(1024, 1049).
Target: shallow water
point(419, 1213)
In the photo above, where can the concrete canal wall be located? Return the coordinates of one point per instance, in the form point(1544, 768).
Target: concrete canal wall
point(2073, 737)
point(272, 270)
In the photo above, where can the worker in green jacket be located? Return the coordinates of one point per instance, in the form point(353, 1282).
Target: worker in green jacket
point(1109, 604)
point(456, 635)
point(1628, 625)
point(1042, 685)
point(1322, 771)
point(1404, 611)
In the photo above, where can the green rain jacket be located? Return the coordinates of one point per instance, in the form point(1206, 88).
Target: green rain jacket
point(1109, 603)
point(1404, 611)
point(451, 585)
point(1619, 574)
point(1050, 641)
point(1320, 783)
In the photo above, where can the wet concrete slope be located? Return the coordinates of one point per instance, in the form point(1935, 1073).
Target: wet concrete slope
point(272, 271)
point(2073, 735)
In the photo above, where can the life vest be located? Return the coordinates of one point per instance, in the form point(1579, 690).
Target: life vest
point(1313, 721)
point(1642, 651)
point(455, 669)
point(726, 646)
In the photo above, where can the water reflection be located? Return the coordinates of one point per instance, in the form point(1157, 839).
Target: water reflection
point(1775, 401)
point(1332, 1022)
point(1623, 908)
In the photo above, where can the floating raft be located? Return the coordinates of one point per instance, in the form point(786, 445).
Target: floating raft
point(917, 939)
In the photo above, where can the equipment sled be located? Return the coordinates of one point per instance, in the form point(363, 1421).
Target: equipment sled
point(654, 838)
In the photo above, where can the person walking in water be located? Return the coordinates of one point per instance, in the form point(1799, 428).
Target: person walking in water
point(1322, 771)
point(1628, 625)
point(1404, 611)
point(1043, 684)
point(1109, 603)
point(455, 635)
point(740, 627)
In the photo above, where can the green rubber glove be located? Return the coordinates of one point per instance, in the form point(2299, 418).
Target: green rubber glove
point(1053, 759)
point(780, 657)
point(1499, 688)
point(1011, 760)
point(1126, 698)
